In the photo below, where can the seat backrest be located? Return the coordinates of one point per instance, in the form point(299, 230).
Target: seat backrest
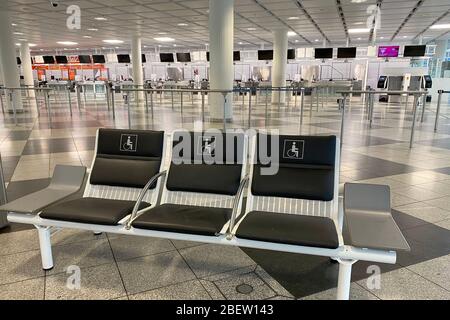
point(307, 180)
point(206, 168)
point(124, 162)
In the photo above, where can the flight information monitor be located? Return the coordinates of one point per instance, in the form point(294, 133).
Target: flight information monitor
point(388, 51)
point(236, 55)
point(166, 57)
point(144, 59)
point(98, 58)
point(49, 59)
point(19, 61)
point(265, 54)
point(346, 52)
point(414, 51)
point(123, 58)
point(61, 59)
point(323, 53)
point(183, 57)
point(291, 54)
point(84, 58)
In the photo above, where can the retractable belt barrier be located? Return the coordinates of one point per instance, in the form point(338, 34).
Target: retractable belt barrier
point(372, 93)
point(46, 91)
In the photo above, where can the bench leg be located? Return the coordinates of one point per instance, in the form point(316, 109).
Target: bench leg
point(46, 247)
point(344, 279)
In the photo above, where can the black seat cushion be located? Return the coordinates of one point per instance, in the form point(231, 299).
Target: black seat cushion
point(91, 210)
point(293, 229)
point(184, 219)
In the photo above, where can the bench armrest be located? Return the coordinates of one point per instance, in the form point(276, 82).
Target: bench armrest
point(236, 201)
point(66, 181)
point(141, 197)
point(368, 219)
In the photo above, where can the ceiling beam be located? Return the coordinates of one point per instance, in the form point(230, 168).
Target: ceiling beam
point(306, 13)
point(281, 21)
point(342, 16)
point(372, 28)
point(439, 36)
point(408, 17)
point(442, 16)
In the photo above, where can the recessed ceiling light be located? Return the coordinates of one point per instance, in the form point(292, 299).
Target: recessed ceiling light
point(317, 40)
point(159, 45)
point(381, 37)
point(18, 33)
point(32, 44)
point(359, 38)
point(240, 42)
point(18, 44)
point(14, 24)
point(117, 47)
point(441, 26)
point(100, 18)
point(357, 23)
point(291, 33)
point(296, 40)
point(358, 1)
point(293, 18)
point(93, 29)
point(67, 43)
point(162, 32)
point(251, 29)
point(87, 37)
point(22, 39)
point(358, 30)
point(405, 36)
point(182, 24)
point(112, 41)
point(164, 39)
point(174, 45)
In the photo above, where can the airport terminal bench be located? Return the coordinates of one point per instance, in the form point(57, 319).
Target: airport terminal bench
point(295, 209)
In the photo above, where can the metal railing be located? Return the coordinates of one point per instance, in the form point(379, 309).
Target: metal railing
point(44, 90)
point(438, 108)
point(180, 91)
point(372, 93)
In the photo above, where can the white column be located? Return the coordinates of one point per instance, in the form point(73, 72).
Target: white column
point(26, 66)
point(136, 56)
point(8, 59)
point(221, 70)
point(280, 47)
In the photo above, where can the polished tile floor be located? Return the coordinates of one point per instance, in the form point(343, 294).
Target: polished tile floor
point(119, 267)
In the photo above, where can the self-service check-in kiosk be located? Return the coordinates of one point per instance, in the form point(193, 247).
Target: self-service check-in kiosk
point(403, 83)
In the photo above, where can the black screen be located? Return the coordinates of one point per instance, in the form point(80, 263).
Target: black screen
point(183, 57)
point(61, 59)
point(236, 56)
point(98, 58)
point(84, 59)
point(123, 58)
point(49, 59)
point(291, 54)
point(166, 57)
point(323, 53)
point(414, 51)
point(18, 60)
point(265, 54)
point(347, 52)
point(144, 59)
point(207, 55)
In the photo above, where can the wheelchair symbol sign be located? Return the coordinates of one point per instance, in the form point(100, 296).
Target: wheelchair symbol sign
point(293, 149)
point(207, 146)
point(128, 142)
